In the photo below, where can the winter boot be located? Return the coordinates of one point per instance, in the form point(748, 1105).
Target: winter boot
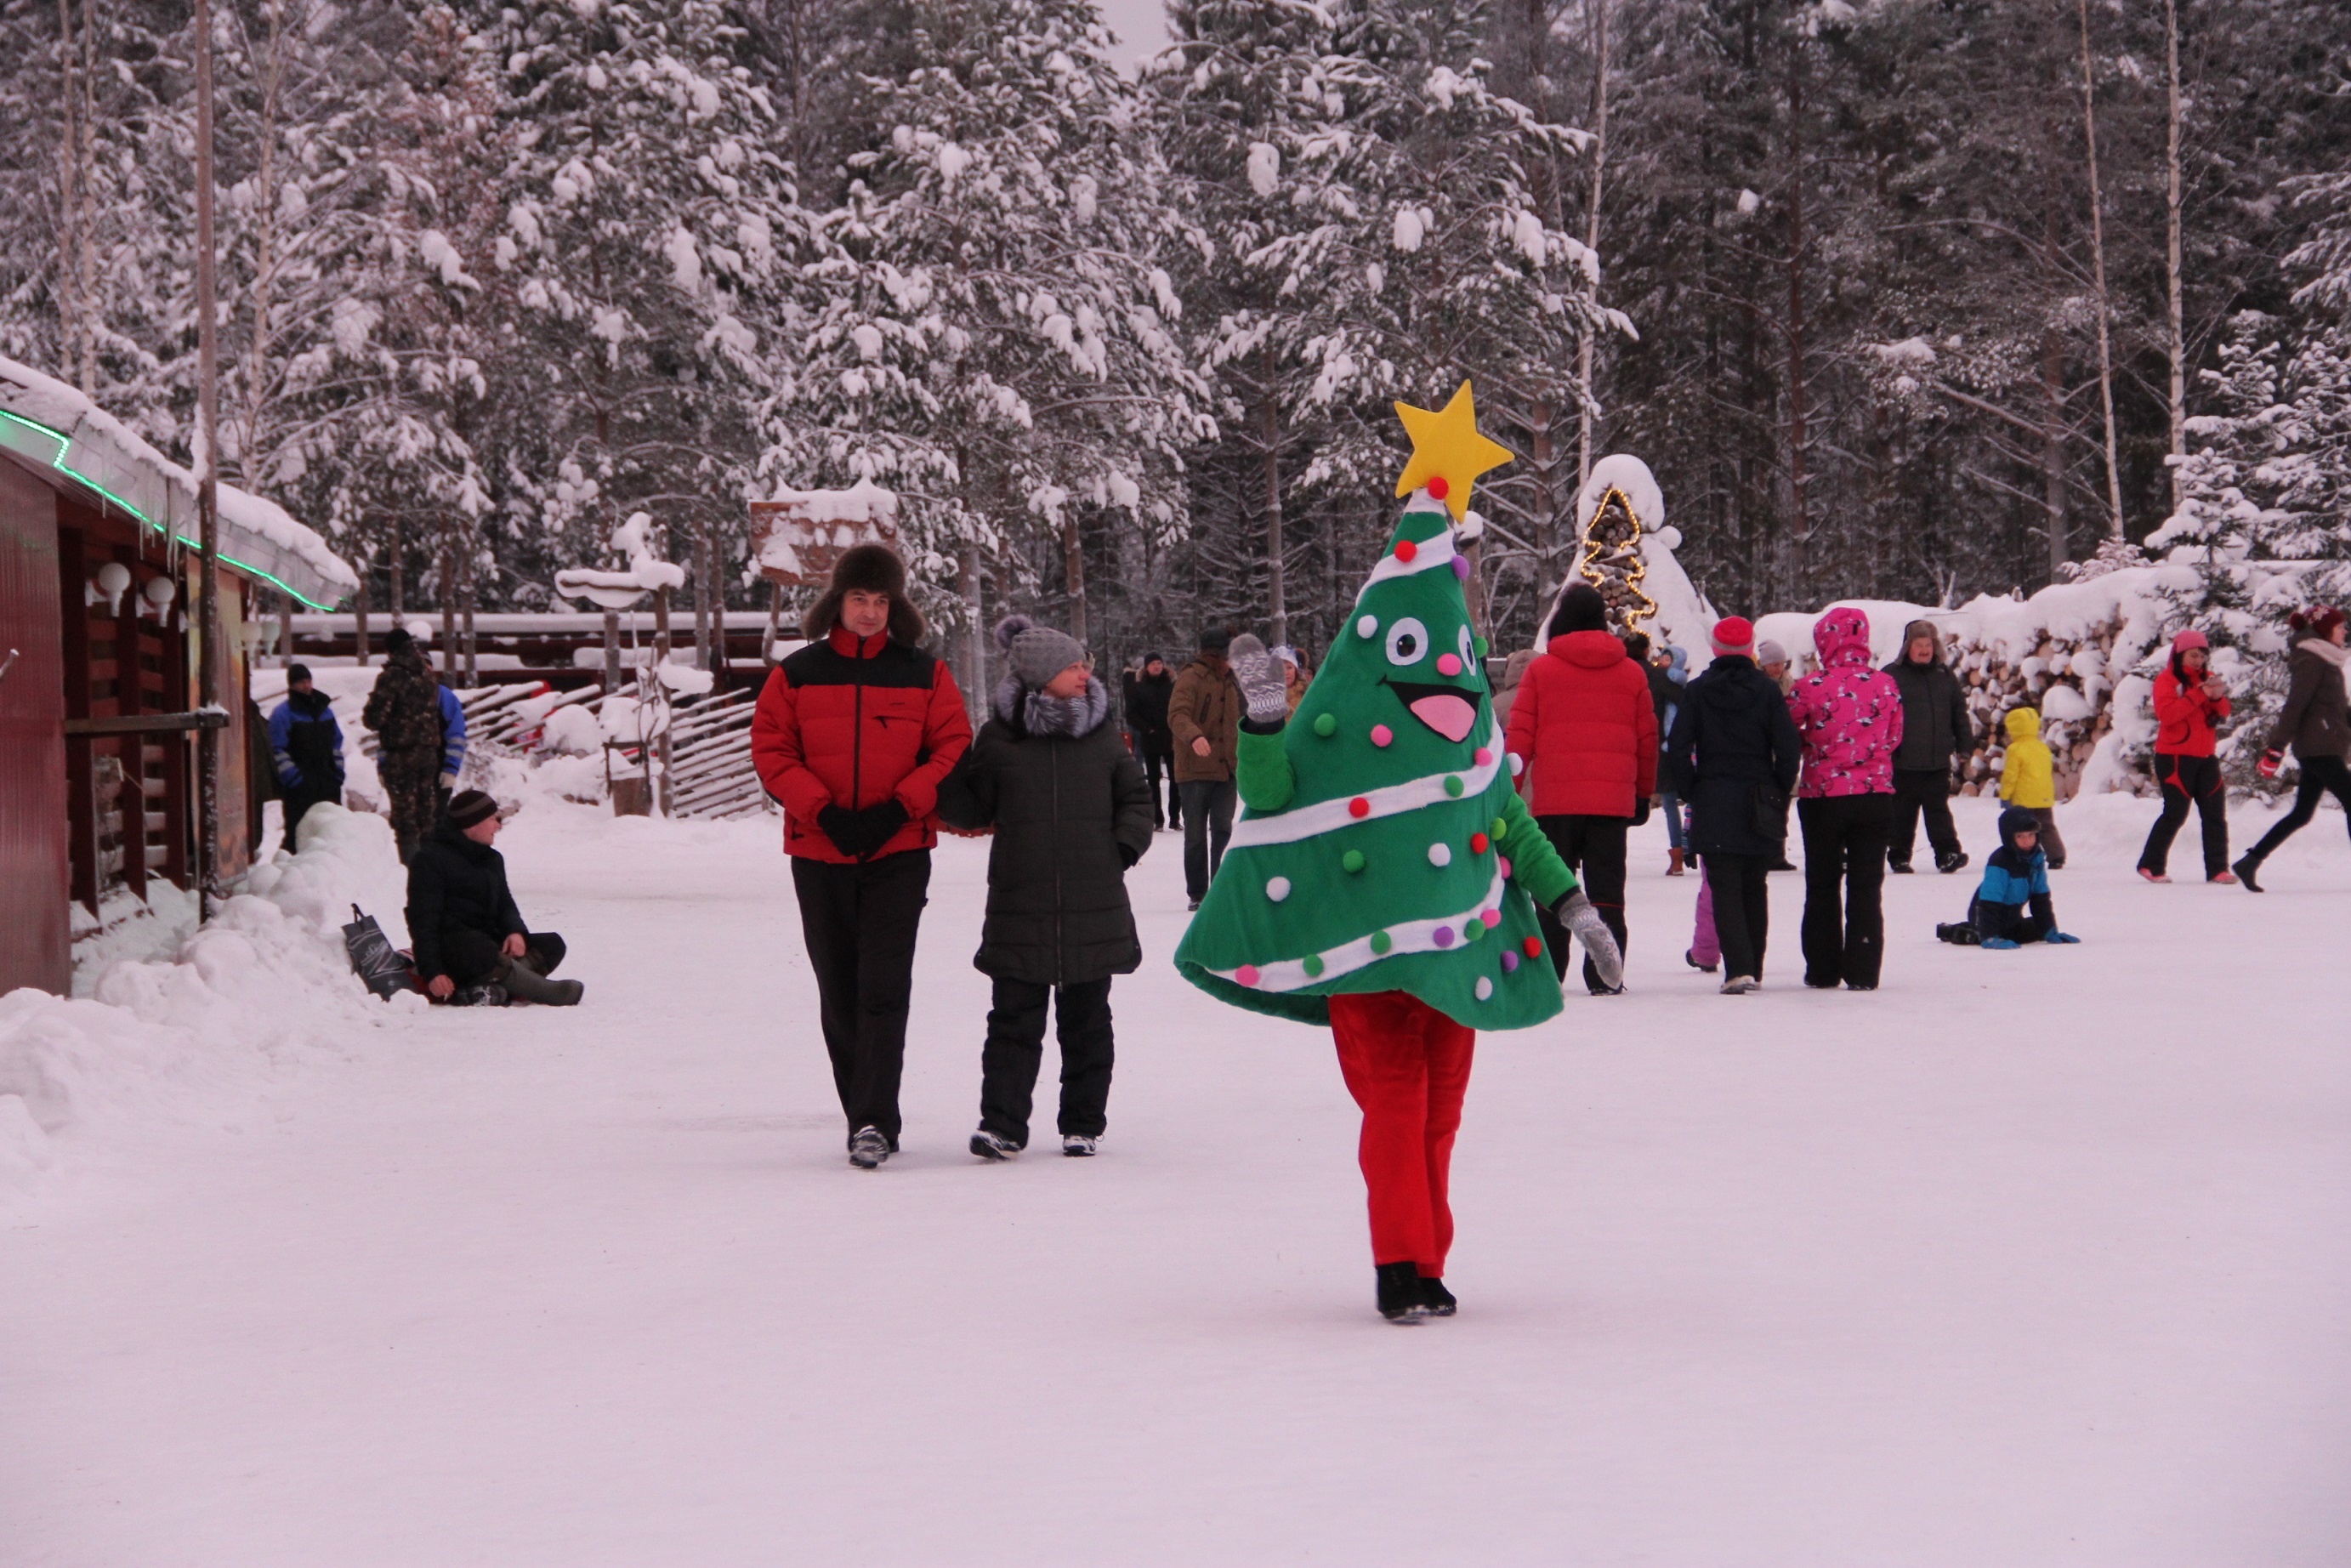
point(491, 995)
point(868, 1148)
point(1439, 1300)
point(1947, 864)
point(2153, 876)
point(528, 985)
point(1741, 985)
point(1899, 868)
point(1960, 933)
point(1674, 864)
point(1078, 1147)
point(989, 1146)
point(1400, 1297)
point(2246, 870)
point(1689, 956)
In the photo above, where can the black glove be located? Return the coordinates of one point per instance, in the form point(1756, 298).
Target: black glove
point(839, 823)
point(1641, 811)
point(876, 826)
point(1127, 855)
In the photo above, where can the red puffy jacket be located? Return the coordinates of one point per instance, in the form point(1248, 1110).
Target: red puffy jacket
point(853, 722)
point(1585, 723)
point(2183, 717)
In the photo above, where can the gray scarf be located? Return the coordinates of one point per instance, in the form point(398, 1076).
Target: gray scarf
point(1040, 714)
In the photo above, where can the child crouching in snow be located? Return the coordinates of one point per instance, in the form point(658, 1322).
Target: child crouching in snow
point(2011, 907)
point(1071, 813)
point(2028, 778)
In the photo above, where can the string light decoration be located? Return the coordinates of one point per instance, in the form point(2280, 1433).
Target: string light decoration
point(1612, 562)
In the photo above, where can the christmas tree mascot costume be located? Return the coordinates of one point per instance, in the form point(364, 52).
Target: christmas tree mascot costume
point(1380, 878)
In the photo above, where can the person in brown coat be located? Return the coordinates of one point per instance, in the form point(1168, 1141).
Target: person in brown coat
point(1205, 712)
point(2316, 723)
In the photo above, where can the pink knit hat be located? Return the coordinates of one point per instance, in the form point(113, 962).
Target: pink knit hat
point(1734, 634)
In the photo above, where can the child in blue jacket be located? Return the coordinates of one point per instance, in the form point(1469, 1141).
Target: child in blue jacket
point(2012, 906)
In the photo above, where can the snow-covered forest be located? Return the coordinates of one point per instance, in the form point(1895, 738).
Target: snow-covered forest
point(1904, 300)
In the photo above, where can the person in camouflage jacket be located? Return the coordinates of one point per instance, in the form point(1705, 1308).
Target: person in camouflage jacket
point(420, 731)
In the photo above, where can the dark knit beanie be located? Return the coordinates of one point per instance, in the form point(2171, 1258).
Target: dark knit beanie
point(468, 808)
point(296, 673)
point(397, 640)
point(1216, 640)
point(1581, 608)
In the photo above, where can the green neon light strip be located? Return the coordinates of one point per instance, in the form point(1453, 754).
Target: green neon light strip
point(57, 461)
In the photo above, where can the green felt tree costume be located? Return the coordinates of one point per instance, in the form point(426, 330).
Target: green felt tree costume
point(1383, 847)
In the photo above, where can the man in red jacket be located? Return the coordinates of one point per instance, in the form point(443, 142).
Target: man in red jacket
point(853, 736)
point(1585, 724)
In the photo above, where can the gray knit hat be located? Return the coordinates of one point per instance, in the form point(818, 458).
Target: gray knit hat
point(1769, 652)
point(1038, 653)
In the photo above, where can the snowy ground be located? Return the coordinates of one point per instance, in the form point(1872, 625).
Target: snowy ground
point(2032, 1258)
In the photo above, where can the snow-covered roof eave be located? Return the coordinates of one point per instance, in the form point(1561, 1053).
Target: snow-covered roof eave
point(54, 427)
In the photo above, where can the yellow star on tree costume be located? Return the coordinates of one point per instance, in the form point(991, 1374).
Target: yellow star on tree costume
point(1447, 452)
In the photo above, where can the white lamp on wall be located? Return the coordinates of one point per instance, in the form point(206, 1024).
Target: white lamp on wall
point(159, 592)
point(113, 579)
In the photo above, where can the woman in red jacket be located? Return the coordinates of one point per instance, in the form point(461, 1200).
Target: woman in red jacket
point(1584, 723)
point(853, 735)
point(2187, 700)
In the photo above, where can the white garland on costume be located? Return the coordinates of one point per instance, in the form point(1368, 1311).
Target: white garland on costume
point(1410, 936)
point(1428, 554)
point(1392, 800)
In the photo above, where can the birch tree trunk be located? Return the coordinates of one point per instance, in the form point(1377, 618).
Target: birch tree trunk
point(2098, 278)
point(2177, 344)
point(1591, 237)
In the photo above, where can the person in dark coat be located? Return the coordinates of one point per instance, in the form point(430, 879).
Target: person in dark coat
point(306, 749)
point(1936, 732)
point(470, 941)
point(420, 728)
point(1146, 695)
point(1204, 713)
point(852, 735)
point(1071, 815)
point(1734, 755)
point(2314, 721)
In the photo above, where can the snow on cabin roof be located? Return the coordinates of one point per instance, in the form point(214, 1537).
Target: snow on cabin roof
point(863, 502)
point(54, 427)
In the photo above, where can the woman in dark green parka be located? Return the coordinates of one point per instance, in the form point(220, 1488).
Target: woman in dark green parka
point(1071, 812)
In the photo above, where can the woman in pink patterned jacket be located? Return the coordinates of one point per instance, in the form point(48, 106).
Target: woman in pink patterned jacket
point(1850, 716)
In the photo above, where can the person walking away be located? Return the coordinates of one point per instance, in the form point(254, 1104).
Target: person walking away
point(2011, 905)
point(2315, 723)
point(1204, 713)
point(471, 944)
point(1666, 685)
point(852, 735)
point(2189, 700)
point(420, 729)
point(1067, 804)
point(1734, 755)
point(1585, 730)
point(1849, 718)
point(2028, 778)
point(1146, 697)
point(306, 749)
point(1936, 732)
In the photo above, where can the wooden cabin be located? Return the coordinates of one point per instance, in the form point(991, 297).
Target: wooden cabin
point(99, 645)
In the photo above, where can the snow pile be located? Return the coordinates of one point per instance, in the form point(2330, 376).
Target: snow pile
point(267, 982)
point(619, 589)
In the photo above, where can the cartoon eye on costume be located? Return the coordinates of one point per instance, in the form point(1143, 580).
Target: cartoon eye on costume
point(1468, 649)
point(1407, 642)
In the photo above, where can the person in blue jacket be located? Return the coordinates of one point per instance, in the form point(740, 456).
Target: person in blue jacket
point(306, 747)
point(2012, 906)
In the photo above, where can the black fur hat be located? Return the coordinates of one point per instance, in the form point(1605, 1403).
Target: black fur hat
point(867, 568)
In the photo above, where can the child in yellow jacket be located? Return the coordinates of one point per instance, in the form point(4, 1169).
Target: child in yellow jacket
point(2028, 778)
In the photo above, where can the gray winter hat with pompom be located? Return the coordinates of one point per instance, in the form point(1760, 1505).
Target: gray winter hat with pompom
point(1038, 653)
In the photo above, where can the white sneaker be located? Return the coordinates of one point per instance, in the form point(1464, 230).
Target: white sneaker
point(868, 1148)
point(1078, 1147)
point(1740, 985)
point(989, 1146)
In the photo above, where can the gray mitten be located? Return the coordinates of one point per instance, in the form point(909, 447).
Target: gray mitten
point(1259, 675)
point(1575, 912)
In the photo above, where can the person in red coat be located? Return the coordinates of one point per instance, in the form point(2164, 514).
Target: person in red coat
point(2189, 700)
point(1583, 739)
point(853, 736)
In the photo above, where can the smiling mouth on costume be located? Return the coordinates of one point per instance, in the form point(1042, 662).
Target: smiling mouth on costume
point(1448, 710)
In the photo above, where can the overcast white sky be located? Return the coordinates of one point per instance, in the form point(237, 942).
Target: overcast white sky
point(1141, 26)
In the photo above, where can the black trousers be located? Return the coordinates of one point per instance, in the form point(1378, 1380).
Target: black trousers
point(1742, 909)
point(1016, 1049)
point(860, 923)
point(1593, 848)
point(1207, 826)
point(1922, 791)
point(2186, 779)
point(2320, 776)
point(298, 801)
point(474, 957)
point(1157, 762)
point(1845, 873)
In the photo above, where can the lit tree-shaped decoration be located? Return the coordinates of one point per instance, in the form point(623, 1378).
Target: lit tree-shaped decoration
point(1612, 560)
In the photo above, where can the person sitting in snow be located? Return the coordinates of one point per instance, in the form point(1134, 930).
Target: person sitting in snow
point(471, 945)
point(2028, 778)
point(306, 747)
point(1071, 815)
point(2011, 905)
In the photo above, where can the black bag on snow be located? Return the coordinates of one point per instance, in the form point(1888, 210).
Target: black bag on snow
point(385, 970)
